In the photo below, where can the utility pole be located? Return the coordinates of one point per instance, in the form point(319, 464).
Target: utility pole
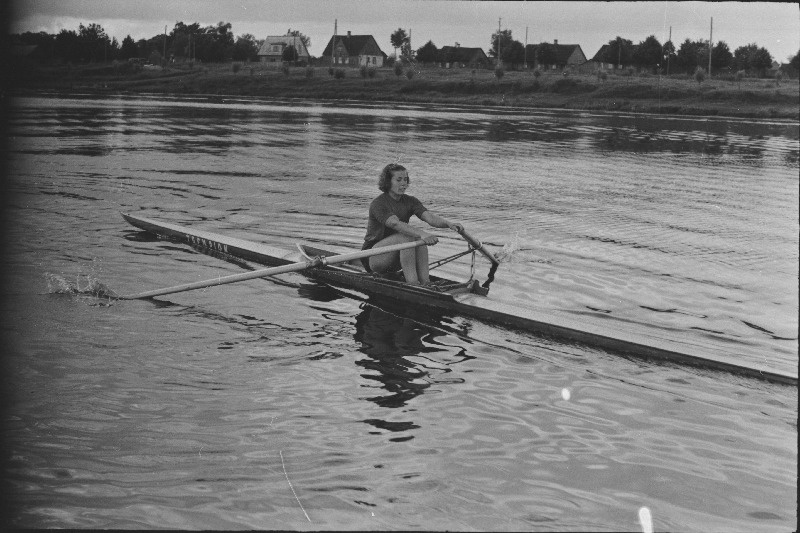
point(499, 61)
point(710, 35)
point(333, 43)
point(673, 46)
point(165, 47)
point(525, 61)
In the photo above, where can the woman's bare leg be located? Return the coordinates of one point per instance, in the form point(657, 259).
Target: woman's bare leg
point(409, 259)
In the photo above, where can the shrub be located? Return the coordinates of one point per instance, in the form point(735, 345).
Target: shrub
point(330, 71)
point(363, 71)
point(499, 72)
point(309, 72)
point(398, 69)
point(409, 74)
point(235, 67)
point(371, 72)
point(601, 75)
point(339, 73)
point(699, 75)
point(285, 68)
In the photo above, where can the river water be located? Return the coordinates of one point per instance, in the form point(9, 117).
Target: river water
point(288, 405)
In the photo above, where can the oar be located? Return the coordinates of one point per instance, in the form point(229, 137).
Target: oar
point(478, 245)
point(293, 267)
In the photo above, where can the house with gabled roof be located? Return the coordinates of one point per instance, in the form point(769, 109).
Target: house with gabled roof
point(599, 59)
point(461, 56)
point(274, 45)
point(558, 56)
point(353, 50)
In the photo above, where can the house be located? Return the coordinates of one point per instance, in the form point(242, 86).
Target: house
point(272, 49)
point(460, 57)
point(353, 50)
point(599, 62)
point(555, 56)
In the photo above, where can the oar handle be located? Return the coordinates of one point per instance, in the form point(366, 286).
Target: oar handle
point(478, 245)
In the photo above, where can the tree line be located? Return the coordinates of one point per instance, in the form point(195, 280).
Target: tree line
point(91, 44)
point(217, 43)
point(647, 55)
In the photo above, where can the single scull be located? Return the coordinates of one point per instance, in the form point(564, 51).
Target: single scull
point(462, 298)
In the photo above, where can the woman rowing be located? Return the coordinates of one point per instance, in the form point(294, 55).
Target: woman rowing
point(389, 214)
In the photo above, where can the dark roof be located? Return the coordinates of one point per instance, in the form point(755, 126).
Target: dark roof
point(600, 55)
point(562, 51)
point(461, 54)
point(354, 44)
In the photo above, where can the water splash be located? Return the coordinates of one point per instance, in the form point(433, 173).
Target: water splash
point(82, 285)
point(513, 252)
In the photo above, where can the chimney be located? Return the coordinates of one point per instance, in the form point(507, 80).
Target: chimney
point(348, 33)
point(555, 42)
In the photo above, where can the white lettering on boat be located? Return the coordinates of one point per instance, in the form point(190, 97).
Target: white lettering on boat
point(193, 239)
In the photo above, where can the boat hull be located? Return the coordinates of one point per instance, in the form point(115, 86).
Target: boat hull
point(467, 299)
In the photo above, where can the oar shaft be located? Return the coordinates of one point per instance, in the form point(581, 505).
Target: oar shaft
point(478, 245)
point(293, 267)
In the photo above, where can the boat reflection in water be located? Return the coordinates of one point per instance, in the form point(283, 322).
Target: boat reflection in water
point(403, 358)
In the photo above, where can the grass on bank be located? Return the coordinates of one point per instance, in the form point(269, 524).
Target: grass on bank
point(676, 94)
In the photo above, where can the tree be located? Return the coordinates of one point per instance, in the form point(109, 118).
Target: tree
point(668, 57)
point(513, 54)
point(648, 54)
point(691, 55)
point(245, 48)
point(545, 54)
point(68, 46)
point(398, 38)
point(289, 54)
point(721, 57)
point(306, 40)
point(794, 63)
point(504, 36)
point(128, 49)
point(619, 52)
point(428, 53)
point(752, 58)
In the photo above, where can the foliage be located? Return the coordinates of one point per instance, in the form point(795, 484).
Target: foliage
point(504, 38)
point(289, 54)
point(752, 58)
point(513, 54)
point(428, 53)
point(619, 52)
point(128, 48)
point(339, 74)
point(398, 39)
point(410, 73)
point(699, 75)
point(309, 72)
point(648, 54)
point(236, 67)
point(245, 48)
point(691, 55)
point(285, 69)
point(363, 71)
point(398, 69)
point(721, 57)
point(499, 72)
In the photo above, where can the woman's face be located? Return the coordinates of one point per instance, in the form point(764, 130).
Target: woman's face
point(399, 182)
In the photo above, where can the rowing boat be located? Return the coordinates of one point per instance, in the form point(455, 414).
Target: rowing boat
point(465, 298)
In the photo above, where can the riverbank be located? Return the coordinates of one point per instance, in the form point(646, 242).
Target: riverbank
point(674, 95)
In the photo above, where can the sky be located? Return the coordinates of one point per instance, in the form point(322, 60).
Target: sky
point(772, 25)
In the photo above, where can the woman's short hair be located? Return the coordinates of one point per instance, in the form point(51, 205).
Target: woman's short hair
point(385, 179)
